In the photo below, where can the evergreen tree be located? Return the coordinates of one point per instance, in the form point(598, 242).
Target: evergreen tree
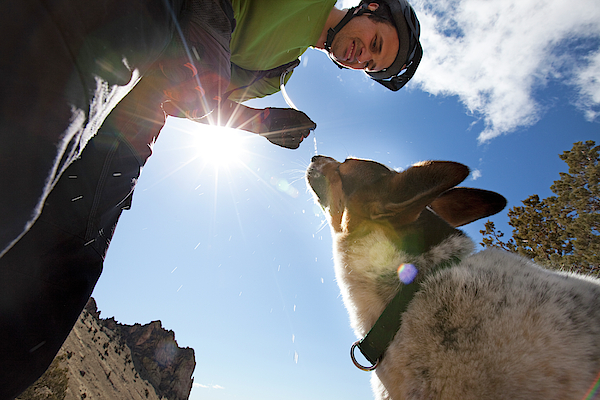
point(561, 231)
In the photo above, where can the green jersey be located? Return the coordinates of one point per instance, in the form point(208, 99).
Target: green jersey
point(268, 34)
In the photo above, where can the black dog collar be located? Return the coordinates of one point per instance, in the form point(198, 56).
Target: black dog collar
point(376, 342)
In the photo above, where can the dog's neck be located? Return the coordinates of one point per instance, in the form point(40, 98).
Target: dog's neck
point(367, 264)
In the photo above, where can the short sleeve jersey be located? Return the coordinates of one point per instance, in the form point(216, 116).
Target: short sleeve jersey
point(268, 34)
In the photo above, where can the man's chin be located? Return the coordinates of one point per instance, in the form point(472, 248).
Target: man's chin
point(342, 62)
point(350, 66)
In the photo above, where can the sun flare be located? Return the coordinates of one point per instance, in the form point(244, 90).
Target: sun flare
point(219, 146)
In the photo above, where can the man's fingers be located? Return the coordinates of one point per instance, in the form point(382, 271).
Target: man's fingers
point(288, 139)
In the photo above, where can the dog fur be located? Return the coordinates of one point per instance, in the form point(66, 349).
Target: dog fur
point(493, 326)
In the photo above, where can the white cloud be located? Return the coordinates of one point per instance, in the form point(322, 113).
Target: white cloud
point(476, 174)
point(587, 80)
point(494, 54)
point(199, 385)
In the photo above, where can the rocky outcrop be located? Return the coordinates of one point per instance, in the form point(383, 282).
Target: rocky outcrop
point(158, 359)
point(104, 359)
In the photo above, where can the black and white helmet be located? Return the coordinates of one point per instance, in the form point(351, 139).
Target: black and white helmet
point(410, 52)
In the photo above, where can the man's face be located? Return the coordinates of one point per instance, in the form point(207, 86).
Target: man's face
point(365, 44)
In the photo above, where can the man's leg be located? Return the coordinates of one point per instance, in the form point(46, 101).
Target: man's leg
point(47, 277)
point(65, 65)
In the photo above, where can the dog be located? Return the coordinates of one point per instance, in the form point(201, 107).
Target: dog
point(485, 325)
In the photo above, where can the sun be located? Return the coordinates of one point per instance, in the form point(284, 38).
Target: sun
point(218, 146)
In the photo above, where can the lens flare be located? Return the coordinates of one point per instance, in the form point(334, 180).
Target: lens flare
point(594, 389)
point(166, 352)
point(284, 186)
point(407, 273)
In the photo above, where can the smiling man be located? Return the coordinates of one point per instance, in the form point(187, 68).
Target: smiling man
point(363, 44)
point(375, 37)
point(380, 37)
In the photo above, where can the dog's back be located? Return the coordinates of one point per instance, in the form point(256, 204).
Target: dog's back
point(490, 325)
point(496, 326)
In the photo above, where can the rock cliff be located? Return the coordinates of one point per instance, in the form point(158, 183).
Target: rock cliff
point(103, 359)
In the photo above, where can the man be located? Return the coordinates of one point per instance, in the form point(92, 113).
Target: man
point(69, 158)
point(368, 39)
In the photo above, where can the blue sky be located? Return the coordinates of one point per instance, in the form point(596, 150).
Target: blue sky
point(228, 249)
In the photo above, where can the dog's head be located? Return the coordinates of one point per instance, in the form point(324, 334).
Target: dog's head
point(356, 192)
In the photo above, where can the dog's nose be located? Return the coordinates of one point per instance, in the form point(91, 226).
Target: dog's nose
point(315, 158)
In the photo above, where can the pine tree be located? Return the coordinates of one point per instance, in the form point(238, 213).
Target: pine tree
point(561, 231)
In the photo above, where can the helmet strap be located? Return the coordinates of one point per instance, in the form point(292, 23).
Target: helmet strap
point(352, 12)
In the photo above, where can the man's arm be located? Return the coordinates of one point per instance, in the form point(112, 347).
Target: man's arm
point(234, 115)
point(284, 127)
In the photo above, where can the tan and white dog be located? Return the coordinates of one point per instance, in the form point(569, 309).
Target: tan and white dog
point(486, 325)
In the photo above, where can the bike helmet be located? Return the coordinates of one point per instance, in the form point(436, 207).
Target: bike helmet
point(405, 20)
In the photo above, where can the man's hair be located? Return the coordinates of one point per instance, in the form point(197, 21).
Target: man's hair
point(382, 14)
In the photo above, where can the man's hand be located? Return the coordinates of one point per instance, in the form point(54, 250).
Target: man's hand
point(284, 127)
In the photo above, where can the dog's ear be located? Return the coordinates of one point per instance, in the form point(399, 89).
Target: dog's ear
point(460, 206)
point(414, 189)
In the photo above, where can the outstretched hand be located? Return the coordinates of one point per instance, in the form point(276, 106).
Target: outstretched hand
point(285, 127)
